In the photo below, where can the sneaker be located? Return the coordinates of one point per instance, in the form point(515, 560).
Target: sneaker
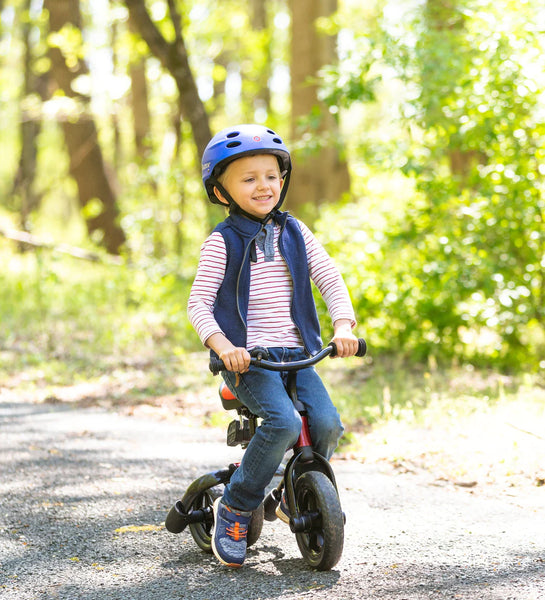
point(229, 537)
point(282, 510)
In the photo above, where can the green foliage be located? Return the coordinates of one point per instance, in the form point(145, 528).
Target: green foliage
point(84, 314)
point(455, 270)
point(235, 59)
point(351, 80)
point(479, 235)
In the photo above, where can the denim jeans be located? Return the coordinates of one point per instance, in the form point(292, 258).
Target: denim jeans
point(264, 393)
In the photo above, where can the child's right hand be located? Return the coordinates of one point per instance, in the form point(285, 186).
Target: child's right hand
point(234, 358)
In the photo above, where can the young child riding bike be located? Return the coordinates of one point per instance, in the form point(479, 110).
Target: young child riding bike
point(253, 288)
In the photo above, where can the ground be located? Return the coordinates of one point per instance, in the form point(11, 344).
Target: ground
point(443, 506)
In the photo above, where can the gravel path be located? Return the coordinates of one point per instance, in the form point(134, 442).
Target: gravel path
point(84, 493)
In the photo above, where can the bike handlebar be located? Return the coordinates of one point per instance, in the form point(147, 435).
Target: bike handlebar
point(216, 364)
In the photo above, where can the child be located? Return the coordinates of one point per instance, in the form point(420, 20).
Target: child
point(252, 288)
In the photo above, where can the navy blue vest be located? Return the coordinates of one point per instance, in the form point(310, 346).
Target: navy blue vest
point(231, 307)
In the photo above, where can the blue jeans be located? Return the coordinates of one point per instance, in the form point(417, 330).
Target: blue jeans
point(264, 393)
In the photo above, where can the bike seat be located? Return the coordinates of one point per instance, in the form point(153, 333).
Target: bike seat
point(228, 399)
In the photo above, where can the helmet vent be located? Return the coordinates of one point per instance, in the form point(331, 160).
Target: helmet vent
point(233, 144)
point(277, 140)
point(233, 134)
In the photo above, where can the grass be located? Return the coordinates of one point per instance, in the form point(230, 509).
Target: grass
point(57, 309)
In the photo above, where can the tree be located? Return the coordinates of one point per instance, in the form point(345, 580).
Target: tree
point(34, 85)
point(139, 100)
point(173, 56)
point(321, 172)
point(259, 23)
point(474, 239)
point(96, 194)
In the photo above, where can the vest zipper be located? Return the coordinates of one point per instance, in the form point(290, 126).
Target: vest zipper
point(246, 252)
point(292, 290)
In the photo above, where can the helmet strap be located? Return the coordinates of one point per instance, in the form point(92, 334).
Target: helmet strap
point(284, 189)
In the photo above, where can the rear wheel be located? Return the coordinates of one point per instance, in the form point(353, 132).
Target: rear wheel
point(321, 544)
point(256, 525)
point(201, 532)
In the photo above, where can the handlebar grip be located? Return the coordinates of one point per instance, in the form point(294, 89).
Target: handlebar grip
point(216, 365)
point(362, 348)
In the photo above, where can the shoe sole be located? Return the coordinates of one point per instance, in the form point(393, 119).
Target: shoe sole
point(214, 550)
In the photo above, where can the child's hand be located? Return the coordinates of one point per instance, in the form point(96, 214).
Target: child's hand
point(235, 359)
point(344, 339)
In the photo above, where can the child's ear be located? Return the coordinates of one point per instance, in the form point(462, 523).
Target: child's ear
point(219, 196)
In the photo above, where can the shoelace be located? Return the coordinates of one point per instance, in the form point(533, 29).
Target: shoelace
point(238, 532)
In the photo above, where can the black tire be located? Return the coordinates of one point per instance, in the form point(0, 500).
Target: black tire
point(322, 545)
point(256, 525)
point(202, 532)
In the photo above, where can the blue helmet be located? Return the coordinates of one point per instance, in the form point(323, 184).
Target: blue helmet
point(236, 142)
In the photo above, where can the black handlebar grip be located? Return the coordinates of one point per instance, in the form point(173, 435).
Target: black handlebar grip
point(216, 365)
point(362, 347)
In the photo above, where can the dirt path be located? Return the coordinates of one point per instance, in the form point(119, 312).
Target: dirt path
point(84, 493)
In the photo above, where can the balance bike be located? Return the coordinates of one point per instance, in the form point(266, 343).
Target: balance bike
point(308, 481)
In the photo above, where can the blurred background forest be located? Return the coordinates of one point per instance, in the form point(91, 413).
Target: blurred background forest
point(418, 137)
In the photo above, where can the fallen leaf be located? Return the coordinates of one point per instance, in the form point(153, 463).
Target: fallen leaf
point(131, 528)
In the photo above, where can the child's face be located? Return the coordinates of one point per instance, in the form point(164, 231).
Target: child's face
point(254, 183)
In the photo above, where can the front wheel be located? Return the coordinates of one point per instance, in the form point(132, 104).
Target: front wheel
point(321, 544)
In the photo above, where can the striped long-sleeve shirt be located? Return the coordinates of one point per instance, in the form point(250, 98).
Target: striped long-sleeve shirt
point(269, 322)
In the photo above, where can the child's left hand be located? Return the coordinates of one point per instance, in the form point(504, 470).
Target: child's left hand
point(344, 339)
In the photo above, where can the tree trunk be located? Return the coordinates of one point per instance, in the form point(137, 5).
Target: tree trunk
point(86, 161)
point(139, 102)
point(23, 185)
point(446, 18)
point(117, 150)
point(259, 23)
point(173, 57)
point(321, 175)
